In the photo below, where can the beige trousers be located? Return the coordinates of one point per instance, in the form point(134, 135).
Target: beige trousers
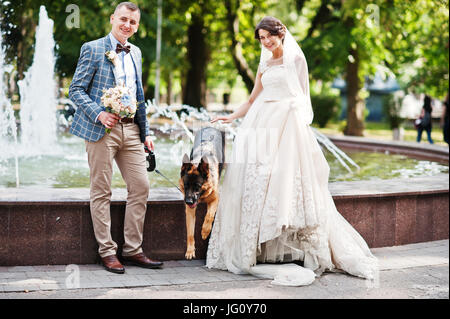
point(123, 145)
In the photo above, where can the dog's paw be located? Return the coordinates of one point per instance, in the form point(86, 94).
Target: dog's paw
point(190, 253)
point(206, 229)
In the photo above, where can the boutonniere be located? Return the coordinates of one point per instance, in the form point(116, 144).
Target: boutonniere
point(112, 56)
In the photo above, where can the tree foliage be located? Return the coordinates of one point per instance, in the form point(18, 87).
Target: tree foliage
point(406, 38)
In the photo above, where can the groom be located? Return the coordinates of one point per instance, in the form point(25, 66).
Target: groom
point(94, 73)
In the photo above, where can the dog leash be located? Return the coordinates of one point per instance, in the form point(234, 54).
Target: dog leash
point(157, 171)
point(151, 166)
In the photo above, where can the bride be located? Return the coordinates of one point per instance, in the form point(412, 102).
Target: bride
point(275, 210)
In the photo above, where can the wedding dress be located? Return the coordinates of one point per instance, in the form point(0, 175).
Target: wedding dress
point(275, 205)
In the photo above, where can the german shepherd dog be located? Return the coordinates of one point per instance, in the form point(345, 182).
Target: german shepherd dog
point(199, 181)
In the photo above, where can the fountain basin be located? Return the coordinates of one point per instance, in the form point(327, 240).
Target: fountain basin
point(65, 164)
point(423, 151)
point(53, 226)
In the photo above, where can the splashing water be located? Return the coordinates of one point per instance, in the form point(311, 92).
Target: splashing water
point(203, 116)
point(8, 126)
point(169, 113)
point(337, 152)
point(38, 92)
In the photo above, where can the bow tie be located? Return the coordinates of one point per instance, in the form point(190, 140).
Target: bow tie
point(120, 48)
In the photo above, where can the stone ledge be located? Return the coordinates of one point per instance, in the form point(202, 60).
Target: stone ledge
point(339, 190)
point(79, 196)
point(391, 187)
point(417, 150)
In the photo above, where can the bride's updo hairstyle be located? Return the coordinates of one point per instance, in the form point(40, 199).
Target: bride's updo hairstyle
point(272, 25)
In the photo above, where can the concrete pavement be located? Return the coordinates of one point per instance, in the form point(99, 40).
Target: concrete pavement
point(411, 271)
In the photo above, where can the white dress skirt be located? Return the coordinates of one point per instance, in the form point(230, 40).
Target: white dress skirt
point(275, 205)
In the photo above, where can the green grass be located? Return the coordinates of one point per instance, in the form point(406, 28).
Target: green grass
point(382, 131)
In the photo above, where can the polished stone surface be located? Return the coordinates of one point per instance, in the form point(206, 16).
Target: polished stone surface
point(426, 151)
point(390, 187)
point(78, 195)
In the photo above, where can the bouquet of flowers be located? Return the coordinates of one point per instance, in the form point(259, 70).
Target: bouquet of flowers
point(118, 100)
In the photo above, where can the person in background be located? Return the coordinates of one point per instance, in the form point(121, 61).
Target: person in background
point(425, 124)
point(444, 119)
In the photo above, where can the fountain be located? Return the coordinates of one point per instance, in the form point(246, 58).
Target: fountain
point(38, 92)
point(58, 222)
point(37, 104)
point(8, 126)
point(203, 117)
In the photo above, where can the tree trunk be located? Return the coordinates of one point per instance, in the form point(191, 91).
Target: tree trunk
point(355, 105)
point(20, 61)
point(169, 88)
point(236, 47)
point(145, 74)
point(197, 53)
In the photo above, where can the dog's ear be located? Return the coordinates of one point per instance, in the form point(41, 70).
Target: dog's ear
point(203, 167)
point(186, 159)
point(185, 168)
point(186, 165)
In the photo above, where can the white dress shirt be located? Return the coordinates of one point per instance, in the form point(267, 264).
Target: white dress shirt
point(127, 76)
point(125, 71)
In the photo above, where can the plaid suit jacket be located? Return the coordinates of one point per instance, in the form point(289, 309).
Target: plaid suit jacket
point(94, 73)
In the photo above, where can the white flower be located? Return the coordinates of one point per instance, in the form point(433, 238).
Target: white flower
point(113, 100)
point(108, 101)
point(115, 105)
point(112, 56)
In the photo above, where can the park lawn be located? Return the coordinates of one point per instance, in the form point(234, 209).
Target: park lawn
point(382, 131)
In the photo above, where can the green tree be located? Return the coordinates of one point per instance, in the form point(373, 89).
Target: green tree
point(356, 38)
point(18, 20)
point(419, 46)
point(207, 42)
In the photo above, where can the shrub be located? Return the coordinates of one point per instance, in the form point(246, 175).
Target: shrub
point(391, 108)
point(326, 108)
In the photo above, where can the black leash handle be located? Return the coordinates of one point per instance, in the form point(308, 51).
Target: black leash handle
point(151, 161)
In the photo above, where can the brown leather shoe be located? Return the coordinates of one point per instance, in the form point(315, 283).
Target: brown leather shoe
point(142, 261)
point(112, 264)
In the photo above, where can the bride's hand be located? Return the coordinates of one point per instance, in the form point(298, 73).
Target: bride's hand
point(224, 119)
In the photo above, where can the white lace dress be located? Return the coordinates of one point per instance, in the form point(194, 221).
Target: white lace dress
point(275, 205)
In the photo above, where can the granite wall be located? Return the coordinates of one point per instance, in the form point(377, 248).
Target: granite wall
point(43, 233)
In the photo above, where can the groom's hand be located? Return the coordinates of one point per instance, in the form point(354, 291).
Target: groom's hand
point(149, 143)
point(108, 119)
